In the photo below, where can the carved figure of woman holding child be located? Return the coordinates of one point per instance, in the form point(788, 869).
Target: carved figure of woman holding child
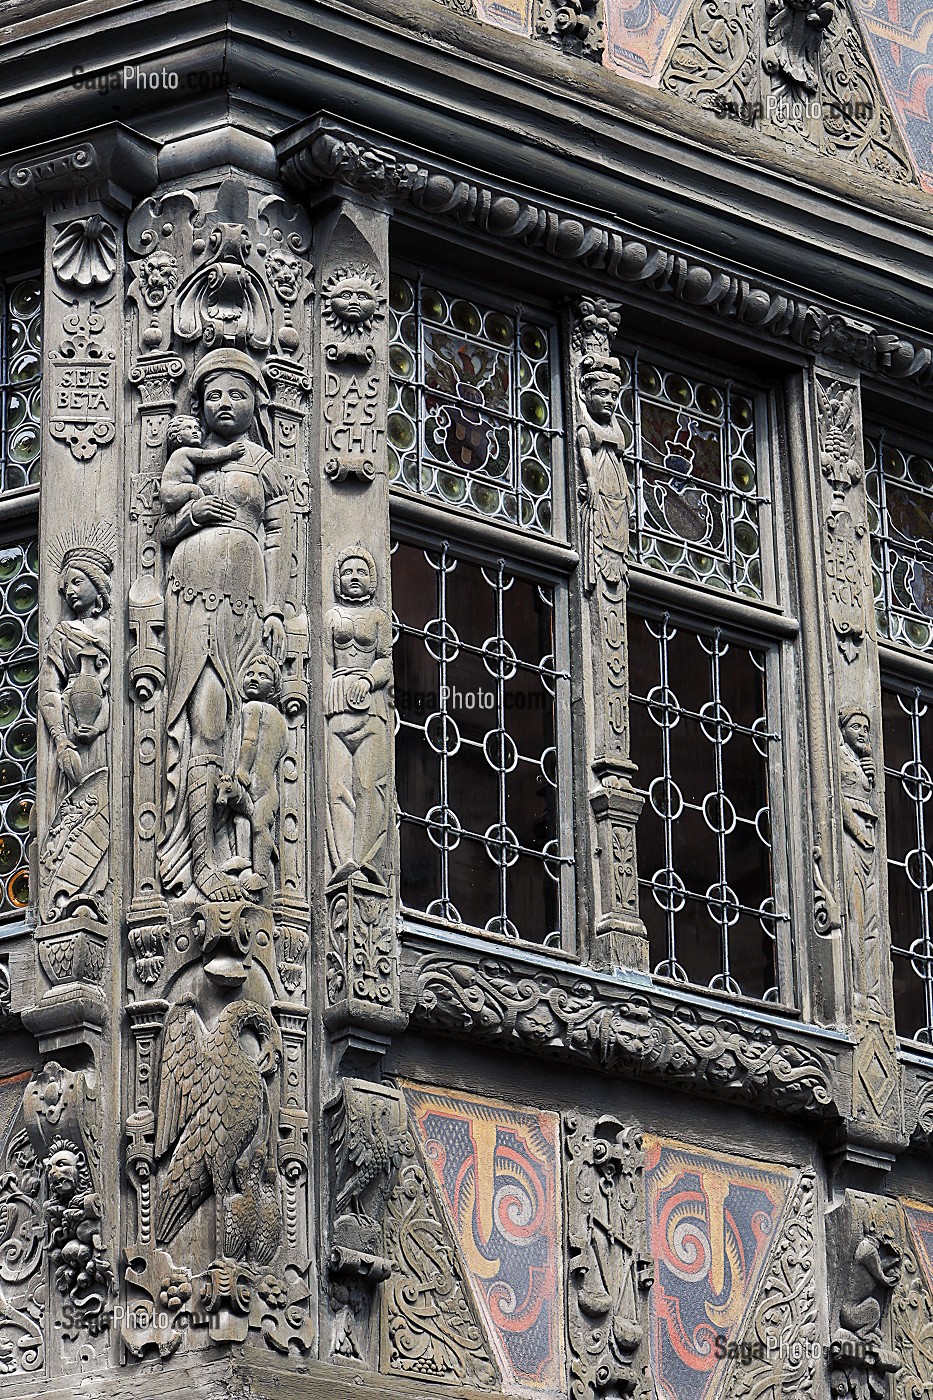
point(226, 521)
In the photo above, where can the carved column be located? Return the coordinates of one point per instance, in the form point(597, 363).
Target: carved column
point(356, 808)
point(85, 192)
point(857, 785)
point(219, 1242)
point(603, 507)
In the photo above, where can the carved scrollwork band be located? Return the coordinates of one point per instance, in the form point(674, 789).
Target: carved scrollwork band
point(591, 1020)
point(325, 150)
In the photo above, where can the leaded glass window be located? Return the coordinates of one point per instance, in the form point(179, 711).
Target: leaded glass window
point(908, 767)
point(471, 420)
point(20, 372)
point(699, 480)
point(20, 389)
point(481, 699)
point(707, 754)
point(900, 495)
point(19, 672)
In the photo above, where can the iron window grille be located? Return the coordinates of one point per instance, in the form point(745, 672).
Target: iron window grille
point(481, 703)
point(705, 694)
point(907, 716)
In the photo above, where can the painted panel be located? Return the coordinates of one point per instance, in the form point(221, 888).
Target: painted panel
point(712, 1223)
point(920, 1220)
point(899, 34)
point(498, 1172)
point(640, 35)
point(514, 15)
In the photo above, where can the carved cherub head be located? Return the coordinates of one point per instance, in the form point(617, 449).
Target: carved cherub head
point(84, 581)
point(355, 576)
point(183, 431)
point(262, 679)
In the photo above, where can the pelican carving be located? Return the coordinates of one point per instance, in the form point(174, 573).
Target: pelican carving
point(217, 1095)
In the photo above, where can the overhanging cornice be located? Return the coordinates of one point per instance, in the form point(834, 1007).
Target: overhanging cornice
point(441, 191)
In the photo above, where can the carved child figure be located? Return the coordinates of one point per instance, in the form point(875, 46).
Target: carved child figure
point(253, 789)
point(178, 485)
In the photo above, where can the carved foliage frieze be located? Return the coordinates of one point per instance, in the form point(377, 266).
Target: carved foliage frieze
point(619, 1030)
point(573, 26)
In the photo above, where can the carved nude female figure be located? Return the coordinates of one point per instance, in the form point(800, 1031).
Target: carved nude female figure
point(226, 581)
point(75, 705)
point(359, 641)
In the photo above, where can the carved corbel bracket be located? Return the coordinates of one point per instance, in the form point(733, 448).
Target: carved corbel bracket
point(369, 1139)
point(362, 958)
point(60, 1112)
point(609, 1270)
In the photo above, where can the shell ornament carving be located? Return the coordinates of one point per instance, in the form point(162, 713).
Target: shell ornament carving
point(84, 254)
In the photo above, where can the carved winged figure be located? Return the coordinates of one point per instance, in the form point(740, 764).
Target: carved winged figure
point(217, 1101)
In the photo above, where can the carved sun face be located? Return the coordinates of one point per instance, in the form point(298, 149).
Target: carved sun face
point(352, 302)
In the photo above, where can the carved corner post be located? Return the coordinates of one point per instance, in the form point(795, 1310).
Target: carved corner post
point(609, 1270)
point(353, 662)
point(853, 726)
point(604, 503)
point(219, 1232)
point(865, 1238)
point(85, 192)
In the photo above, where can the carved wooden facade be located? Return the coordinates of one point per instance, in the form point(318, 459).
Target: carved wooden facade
point(314, 1077)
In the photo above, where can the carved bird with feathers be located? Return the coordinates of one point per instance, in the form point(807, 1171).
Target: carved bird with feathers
point(216, 1117)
